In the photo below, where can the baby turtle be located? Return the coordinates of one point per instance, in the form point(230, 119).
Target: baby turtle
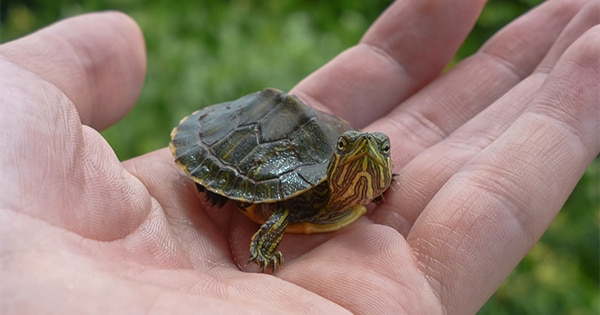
point(288, 166)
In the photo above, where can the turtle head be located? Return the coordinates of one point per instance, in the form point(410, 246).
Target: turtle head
point(360, 169)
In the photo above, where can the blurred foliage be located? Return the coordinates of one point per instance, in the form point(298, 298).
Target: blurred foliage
point(203, 52)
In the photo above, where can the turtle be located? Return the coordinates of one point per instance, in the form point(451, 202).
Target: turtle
point(288, 167)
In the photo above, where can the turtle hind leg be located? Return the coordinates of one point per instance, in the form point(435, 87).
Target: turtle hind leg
point(263, 247)
point(213, 198)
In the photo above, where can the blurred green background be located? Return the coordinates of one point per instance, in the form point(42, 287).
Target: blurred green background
point(203, 52)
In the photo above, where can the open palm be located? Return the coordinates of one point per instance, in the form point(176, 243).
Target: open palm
point(486, 155)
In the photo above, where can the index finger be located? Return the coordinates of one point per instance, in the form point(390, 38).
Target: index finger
point(408, 46)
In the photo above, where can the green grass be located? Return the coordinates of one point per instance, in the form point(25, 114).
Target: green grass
point(203, 52)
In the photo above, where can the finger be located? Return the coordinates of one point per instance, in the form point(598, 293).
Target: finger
point(57, 170)
point(98, 60)
point(407, 47)
point(424, 175)
point(484, 220)
point(446, 104)
point(584, 20)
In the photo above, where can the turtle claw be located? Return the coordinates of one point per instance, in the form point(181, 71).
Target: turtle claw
point(266, 260)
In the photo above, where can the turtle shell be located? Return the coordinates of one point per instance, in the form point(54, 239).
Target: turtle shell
point(264, 147)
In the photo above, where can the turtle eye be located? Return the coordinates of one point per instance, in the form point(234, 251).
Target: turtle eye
point(385, 148)
point(341, 144)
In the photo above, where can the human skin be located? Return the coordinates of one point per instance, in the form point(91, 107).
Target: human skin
point(486, 155)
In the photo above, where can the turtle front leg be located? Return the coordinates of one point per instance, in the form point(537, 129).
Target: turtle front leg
point(263, 247)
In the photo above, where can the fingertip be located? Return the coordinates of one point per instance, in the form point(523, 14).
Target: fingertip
point(119, 71)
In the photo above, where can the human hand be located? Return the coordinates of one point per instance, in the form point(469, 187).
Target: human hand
point(486, 154)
